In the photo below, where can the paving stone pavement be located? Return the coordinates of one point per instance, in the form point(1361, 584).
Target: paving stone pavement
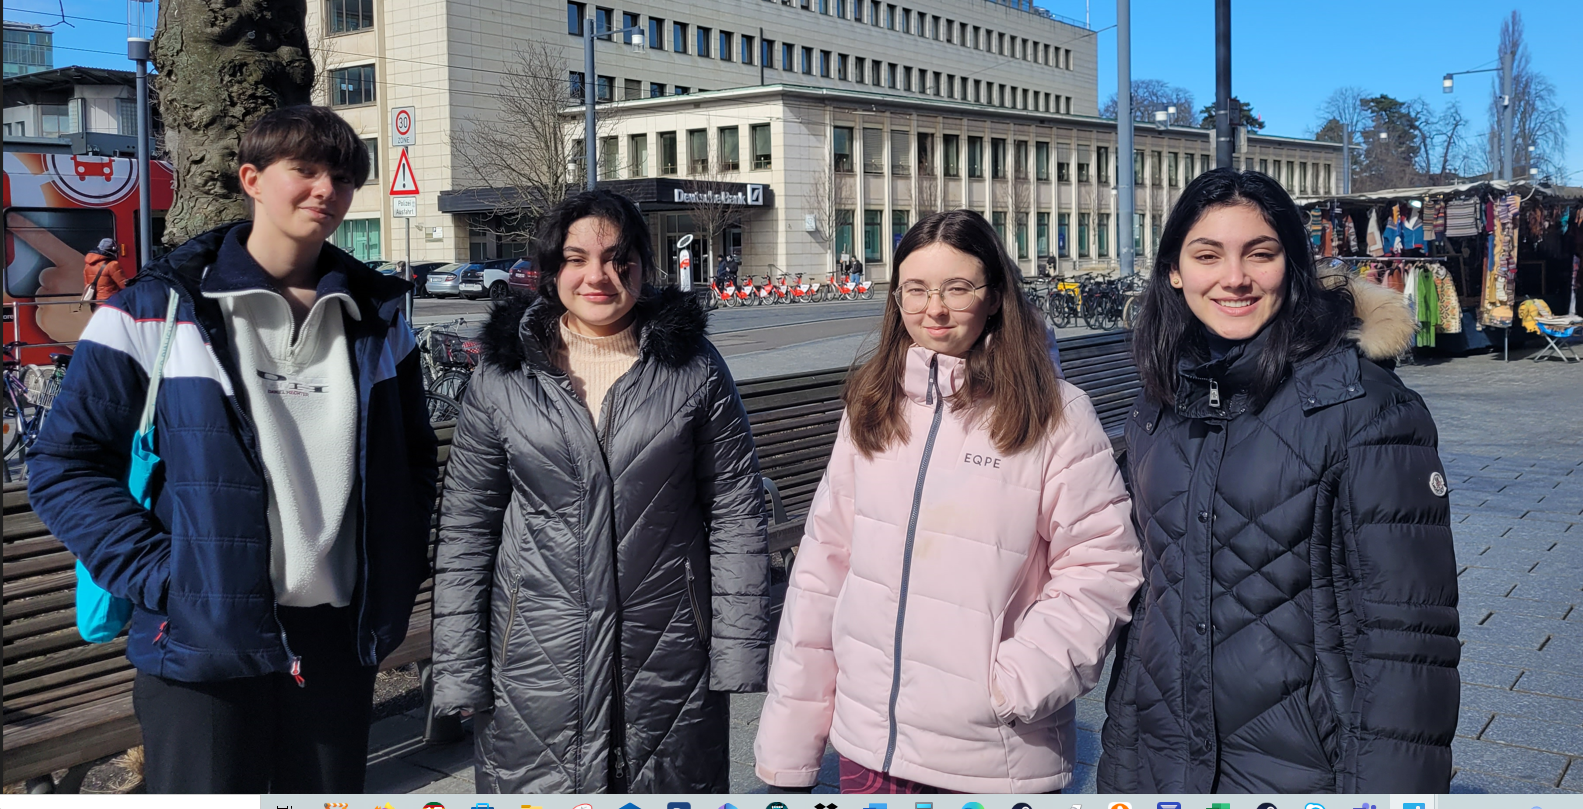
point(1511, 439)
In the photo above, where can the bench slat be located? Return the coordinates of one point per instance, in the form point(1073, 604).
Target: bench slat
point(38, 565)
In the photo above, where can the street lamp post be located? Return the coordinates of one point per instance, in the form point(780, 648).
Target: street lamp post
point(590, 90)
point(1447, 84)
point(139, 27)
point(1126, 200)
point(138, 51)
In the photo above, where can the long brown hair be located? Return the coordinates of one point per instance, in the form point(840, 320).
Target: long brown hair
point(1010, 378)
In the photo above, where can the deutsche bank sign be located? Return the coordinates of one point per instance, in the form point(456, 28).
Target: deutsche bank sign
point(753, 195)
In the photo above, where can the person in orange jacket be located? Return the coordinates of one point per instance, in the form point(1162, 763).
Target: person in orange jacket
point(101, 270)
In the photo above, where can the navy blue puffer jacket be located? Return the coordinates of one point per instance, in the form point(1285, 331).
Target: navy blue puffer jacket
point(1297, 626)
point(196, 568)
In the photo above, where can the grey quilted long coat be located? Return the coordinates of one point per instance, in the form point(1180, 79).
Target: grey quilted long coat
point(597, 595)
point(1297, 626)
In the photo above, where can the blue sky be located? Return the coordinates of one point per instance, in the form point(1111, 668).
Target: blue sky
point(1287, 56)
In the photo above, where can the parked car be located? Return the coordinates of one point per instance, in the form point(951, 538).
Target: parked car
point(523, 276)
point(445, 281)
point(420, 275)
point(486, 278)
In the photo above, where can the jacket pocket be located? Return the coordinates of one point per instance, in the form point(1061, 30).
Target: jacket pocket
point(990, 684)
point(692, 602)
point(511, 621)
point(1326, 721)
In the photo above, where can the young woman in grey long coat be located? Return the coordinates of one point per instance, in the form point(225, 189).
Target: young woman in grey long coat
point(602, 577)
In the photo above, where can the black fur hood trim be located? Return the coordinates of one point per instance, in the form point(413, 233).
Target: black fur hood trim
point(524, 330)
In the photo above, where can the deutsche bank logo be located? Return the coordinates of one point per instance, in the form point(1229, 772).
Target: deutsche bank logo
point(755, 194)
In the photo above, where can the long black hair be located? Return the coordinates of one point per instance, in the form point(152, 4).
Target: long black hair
point(1312, 320)
point(632, 245)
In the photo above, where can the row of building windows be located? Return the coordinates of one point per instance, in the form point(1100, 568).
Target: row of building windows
point(1020, 239)
point(877, 73)
point(728, 155)
point(887, 15)
point(1023, 158)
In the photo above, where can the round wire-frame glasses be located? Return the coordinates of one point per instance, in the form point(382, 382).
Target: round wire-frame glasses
point(958, 296)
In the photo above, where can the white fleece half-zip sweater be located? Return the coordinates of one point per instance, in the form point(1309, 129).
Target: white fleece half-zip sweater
point(303, 401)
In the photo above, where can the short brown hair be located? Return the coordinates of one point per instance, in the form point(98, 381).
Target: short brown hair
point(307, 133)
point(1011, 379)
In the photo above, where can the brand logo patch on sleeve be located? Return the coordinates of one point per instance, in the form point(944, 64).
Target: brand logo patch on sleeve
point(1437, 484)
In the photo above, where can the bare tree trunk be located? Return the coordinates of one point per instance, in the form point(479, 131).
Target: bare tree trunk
point(222, 64)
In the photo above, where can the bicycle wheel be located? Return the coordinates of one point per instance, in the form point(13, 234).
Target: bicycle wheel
point(442, 408)
point(1129, 312)
point(1093, 315)
point(1061, 309)
point(450, 384)
point(868, 294)
point(13, 424)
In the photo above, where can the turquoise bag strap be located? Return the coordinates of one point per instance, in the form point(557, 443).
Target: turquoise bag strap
point(158, 370)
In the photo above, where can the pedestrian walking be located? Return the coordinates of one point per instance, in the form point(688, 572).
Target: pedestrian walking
point(1297, 629)
point(101, 272)
point(967, 556)
point(602, 582)
point(280, 557)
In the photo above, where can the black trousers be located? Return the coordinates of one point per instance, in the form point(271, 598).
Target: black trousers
point(265, 734)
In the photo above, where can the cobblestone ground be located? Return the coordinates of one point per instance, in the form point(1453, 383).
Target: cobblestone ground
point(1511, 438)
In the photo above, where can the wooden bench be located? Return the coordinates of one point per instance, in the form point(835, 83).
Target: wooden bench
point(68, 704)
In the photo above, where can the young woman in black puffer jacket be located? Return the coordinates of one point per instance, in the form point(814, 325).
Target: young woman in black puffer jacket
point(1297, 626)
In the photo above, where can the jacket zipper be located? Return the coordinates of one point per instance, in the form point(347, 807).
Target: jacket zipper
point(296, 662)
point(511, 620)
point(1214, 394)
point(256, 457)
point(692, 598)
point(618, 703)
point(931, 396)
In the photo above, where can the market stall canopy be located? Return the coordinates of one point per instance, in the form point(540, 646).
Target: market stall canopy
point(1522, 188)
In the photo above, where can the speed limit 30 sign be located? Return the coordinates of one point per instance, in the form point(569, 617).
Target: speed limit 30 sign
point(402, 127)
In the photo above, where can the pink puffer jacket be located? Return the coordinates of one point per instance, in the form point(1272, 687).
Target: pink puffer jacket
point(996, 581)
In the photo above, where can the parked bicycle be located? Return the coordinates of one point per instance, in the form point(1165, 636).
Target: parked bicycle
point(30, 392)
point(447, 359)
point(1132, 298)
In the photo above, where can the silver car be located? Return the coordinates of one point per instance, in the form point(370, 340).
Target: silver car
point(445, 281)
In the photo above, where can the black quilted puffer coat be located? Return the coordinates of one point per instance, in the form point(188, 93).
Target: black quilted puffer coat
point(1297, 626)
point(598, 594)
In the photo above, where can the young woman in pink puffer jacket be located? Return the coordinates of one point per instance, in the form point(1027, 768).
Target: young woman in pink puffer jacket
point(969, 553)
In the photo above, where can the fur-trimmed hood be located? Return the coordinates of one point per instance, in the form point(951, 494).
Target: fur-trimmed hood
point(524, 329)
point(1385, 326)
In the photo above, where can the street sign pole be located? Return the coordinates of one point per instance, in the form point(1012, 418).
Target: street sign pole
point(404, 198)
point(411, 293)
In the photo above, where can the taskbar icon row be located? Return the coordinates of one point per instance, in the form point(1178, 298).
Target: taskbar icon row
point(891, 802)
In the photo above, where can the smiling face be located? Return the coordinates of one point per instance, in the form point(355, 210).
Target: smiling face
point(596, 290)
point(302, 201)
point(939, 328)
point(1232, 271)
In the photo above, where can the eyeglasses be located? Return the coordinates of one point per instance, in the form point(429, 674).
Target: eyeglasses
point(958, 296)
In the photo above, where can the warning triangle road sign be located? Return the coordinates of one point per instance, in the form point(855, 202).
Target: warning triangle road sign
point(404, 183)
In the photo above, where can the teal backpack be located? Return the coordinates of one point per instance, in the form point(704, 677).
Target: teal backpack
point(101, 617)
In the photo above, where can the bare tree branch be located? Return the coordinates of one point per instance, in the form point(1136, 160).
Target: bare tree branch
point(528, 156)
point(716, 202)
point(1537, 119)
